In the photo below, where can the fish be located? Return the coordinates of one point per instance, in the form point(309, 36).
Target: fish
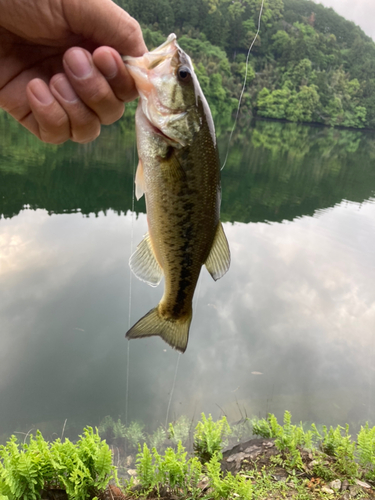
point(179, 174)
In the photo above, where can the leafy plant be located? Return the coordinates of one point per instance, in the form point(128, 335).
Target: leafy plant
point(119, 429)
point(210, 437)
point(366, 450)
point(106, 424)
point(331, 440)
point(172, 471)
point(288, 438)
point(134, 434)
point(228, 486)
point(263, 428)
point(157, 439)
point(173, 467)
point(146, 469)
point(180, 430)
point(82, 469)
point(342, 448)
point(322, 470)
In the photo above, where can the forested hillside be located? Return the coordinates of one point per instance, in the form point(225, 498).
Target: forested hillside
point(308, 64)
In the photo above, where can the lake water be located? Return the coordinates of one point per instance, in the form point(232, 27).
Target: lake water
point(291, 326)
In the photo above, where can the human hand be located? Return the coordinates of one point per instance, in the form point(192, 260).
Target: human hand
point(61, 74)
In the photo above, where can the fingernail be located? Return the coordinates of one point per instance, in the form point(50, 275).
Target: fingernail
point(65, 90)
point(78, 63)
point(41, 92)
point(108, 66)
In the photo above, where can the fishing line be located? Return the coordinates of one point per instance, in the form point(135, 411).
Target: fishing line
point(171, 394)
point(244, 84)
point(127, 383)
point(195, 302)
point(130, 293)
point(178, 360)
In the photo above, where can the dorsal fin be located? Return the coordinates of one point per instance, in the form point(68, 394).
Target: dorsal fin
point(218, 261)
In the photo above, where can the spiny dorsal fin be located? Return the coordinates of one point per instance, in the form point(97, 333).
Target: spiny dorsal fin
point(140, 187)
point(174, 332)
point(143, 263)
point(218, 261)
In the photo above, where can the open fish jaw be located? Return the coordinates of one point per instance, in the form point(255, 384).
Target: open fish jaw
point(169, 104)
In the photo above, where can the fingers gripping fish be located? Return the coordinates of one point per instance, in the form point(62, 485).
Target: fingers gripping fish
point(179, 173)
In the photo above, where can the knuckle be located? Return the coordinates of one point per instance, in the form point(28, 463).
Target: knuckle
point(53, 137)
point(114, 116)
point(83, 135)
point(100, 94)
point(134, 27)
point(61, 122)
point(96, 133)
point(54, 127)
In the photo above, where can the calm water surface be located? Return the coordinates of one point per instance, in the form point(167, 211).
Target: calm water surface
point(291, 326)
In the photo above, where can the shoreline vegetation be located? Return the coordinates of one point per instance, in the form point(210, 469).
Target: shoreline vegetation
point(308, 64)
point(279, 461)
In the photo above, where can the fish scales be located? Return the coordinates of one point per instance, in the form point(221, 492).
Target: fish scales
point(179, 172)
point(191, 206)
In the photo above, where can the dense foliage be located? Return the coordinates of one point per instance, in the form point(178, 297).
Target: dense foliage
point(308, 64)
point(82, 470)
point(30, 469)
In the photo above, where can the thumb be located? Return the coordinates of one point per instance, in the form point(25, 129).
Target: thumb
point(105, 23)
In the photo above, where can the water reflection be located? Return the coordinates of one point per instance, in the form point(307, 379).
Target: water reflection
point(275, 171)
point(290, 327)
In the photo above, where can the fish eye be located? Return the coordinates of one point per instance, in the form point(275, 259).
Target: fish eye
point(183, 74)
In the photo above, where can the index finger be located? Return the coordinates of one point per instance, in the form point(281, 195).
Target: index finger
point(110, 64)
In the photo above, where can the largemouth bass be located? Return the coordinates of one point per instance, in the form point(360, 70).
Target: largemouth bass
point(179, 173)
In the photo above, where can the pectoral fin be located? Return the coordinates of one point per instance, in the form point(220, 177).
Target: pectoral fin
point(143, 263)
point(140, 187)
point(218, 261)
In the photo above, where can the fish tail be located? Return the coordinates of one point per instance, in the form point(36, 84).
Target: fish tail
point(173, 331)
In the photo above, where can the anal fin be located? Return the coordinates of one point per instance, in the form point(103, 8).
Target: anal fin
point(218, 261)
point(143, 263)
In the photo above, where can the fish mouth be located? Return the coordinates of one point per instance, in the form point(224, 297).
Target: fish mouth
point(150, 60)
point(160, 119)
point(140, 67)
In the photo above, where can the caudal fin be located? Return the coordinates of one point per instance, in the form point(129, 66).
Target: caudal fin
point(174, 332)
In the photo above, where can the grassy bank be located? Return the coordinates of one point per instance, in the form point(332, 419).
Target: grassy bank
point(279, 461)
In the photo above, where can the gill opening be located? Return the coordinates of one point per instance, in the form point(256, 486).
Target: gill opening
point(244, 84)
